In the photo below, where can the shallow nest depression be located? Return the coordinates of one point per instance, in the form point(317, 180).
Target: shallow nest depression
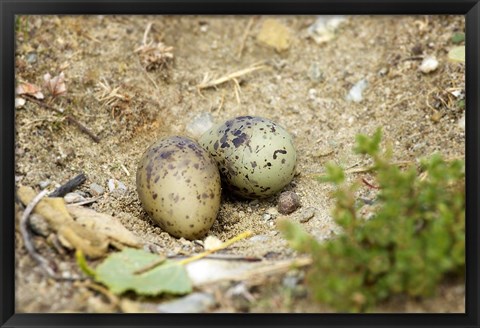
point(130, 80)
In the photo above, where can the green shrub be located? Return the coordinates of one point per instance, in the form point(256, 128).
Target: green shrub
point(415, 238)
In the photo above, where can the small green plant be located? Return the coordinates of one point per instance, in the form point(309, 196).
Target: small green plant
point(415, 239)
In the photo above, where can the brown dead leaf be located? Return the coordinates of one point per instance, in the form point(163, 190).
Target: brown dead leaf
point(75, 236)
point(29, 89)
point(70, 233)
point(52, 209)
point(103, 224)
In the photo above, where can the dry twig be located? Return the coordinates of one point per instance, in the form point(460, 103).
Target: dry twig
point(69, 186)
point(69, 118)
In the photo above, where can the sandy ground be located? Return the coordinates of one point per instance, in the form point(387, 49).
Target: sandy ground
point(303, 88)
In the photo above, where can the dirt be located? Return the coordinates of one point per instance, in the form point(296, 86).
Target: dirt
point(303, 88)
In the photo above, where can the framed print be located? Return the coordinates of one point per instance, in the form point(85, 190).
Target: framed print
point(230, 164)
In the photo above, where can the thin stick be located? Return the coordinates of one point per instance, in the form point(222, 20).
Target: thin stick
point(263, 272)
point(69, 186)
point(24, 221)
point(86, 201)
point(145, 34)
point(244, 37)
point(369, 184)
point(69, 118)
point(125, 170)
point(228, 77)
point(236, 88)
point(152, 265)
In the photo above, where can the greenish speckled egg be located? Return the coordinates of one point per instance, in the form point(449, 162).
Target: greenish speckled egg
point(179, 186)
point(256, 156)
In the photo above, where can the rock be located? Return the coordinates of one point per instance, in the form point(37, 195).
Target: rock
point(275, 35)
point(117, 186)
point(307, 214)
point(355, 93)
point(193, 303)
point(19, 102)
point(288, 202)
point(211, 242)
point(73, 197)
point(429, 64)
point(96, 189)
point(39, 225)
point(325, 27)
point(44, 184)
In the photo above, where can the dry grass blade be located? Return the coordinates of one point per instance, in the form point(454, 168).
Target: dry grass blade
point(108, 95)
point(209, 83)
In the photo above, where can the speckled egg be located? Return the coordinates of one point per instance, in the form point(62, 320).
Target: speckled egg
point(179, 186)
point(256, 156)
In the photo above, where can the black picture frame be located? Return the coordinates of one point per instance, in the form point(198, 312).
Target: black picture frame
point(10, 8)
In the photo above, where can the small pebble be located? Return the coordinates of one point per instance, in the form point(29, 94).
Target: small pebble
point(31, 57)
point(211, 242)
point(288, 202)
point(73, 197)
point(355, 93)
point(429, 64)
point(39, 225)
point(307, 214)
point(266, 217)
point(44, 184)
point(96, 189)
point(116, 185)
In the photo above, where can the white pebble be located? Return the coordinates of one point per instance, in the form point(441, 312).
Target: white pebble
point(355, 93)
point(211, 242)
point(19, 102)
point(429, 64)
point(115, 184)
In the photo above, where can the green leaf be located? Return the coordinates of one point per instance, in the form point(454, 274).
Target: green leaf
point(457, 54)
point(458, 37)
point(142, 272)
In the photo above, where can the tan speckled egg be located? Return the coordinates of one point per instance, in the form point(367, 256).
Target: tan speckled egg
point(179, 187)
point(256, 156)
